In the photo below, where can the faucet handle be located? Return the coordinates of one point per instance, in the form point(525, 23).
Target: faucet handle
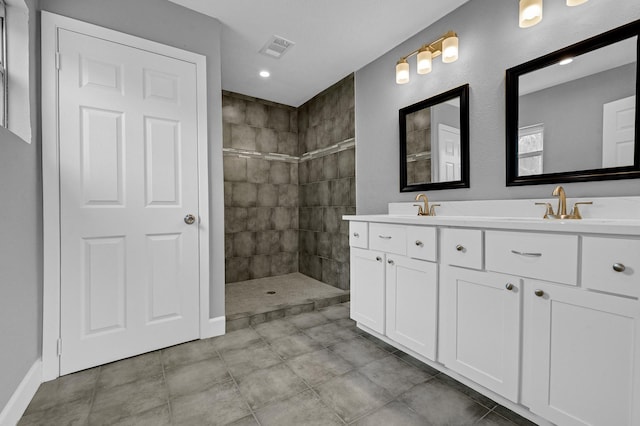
point(432, 209)
point(549, 210)
point(575, 212)
point(420, 210)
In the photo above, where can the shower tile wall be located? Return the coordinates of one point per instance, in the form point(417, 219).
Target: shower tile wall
point(419, 147)
point(260, 190)
point(326, 130)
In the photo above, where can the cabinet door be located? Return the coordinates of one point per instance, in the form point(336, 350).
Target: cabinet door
point(583, 354)
point(481, 327)
point(412, 308)
point(367, 288)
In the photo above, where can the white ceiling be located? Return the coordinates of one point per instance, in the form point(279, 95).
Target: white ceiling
point(333, 38)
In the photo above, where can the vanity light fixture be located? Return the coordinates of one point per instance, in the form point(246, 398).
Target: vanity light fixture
point(531, 11)
point(446, 45)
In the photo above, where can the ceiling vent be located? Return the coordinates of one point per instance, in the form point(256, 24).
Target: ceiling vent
point(276, 47)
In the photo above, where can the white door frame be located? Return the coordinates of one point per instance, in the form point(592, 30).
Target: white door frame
point(51, 23)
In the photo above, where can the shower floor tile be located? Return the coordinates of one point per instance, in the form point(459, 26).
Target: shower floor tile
point(265, 299)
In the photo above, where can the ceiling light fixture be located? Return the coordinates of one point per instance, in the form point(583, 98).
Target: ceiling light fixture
point(447, 46)
point(264, 73)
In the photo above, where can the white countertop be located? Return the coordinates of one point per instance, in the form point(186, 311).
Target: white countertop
point(614, 215)
point(597, 226)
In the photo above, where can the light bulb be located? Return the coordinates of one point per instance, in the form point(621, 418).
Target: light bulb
point(450, 49)
point(402, 72)
point(530, 13)
point(424, 61)
point(575, 2)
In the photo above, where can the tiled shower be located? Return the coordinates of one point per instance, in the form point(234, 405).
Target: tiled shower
point(289, 176)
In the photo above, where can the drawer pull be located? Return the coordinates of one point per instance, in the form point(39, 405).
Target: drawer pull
point(519, 253)
point(378, 258)
point(509, 286)
point(385, 237)
point(355, 234)
point(419, 243)
point(459, 247)
point(619, 267)
point(390, 262)
point(539, 293)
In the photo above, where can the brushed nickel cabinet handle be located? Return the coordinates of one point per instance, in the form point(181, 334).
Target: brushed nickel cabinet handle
point(459, 247)
point(378, 258)
point(509, 286)
point(355, 234)
point(390, 262)
point(619, 267)
point(419, 243)
point(385, 237)
point(539, 293)
point(520, 253)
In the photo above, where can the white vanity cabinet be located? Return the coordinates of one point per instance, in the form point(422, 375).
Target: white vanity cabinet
point(583, 352)
point(394, 288)
point(480, 314)
point(541, 316)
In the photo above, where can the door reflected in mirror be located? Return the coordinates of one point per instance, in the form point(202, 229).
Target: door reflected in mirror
point(571, 114)
point(434, 142)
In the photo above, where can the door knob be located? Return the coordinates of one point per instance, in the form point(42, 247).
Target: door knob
point(189, 219)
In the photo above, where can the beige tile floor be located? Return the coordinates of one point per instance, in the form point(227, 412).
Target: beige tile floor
point(315, 368)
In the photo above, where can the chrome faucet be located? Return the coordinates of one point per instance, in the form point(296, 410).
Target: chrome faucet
point(562, 206)
point(422, 211)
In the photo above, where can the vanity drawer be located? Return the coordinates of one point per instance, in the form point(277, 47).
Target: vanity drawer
point(599, 258)
point(462, 247)
point(388, 238)
point(547, 257)
point(358, 234)
point(421, 242)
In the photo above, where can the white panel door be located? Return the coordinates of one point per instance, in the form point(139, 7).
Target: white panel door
point(367, 288)
point(128, 178)
point(412, 304)
point(481, 328)
point(583, 359)
point(618, 132)
point(448, 153)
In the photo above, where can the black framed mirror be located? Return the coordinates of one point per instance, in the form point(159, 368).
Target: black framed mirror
point(572, 115)
point(434, 142)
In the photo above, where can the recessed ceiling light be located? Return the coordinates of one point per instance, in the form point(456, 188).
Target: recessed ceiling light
point(565, 61)
point(264, 73)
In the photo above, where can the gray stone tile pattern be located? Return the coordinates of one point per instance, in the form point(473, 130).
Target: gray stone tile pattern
point(315, 368)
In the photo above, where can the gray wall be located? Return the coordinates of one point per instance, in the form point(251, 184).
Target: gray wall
point(173, 25)
point(21, 241)
point(572, 117)
point(490, 43)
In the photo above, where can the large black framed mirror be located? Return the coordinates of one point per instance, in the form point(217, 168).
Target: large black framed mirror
point(572, 115)
point(434, 142)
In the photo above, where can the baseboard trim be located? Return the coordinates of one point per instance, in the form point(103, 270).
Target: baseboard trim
point(19, 401)
point(214, 327)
